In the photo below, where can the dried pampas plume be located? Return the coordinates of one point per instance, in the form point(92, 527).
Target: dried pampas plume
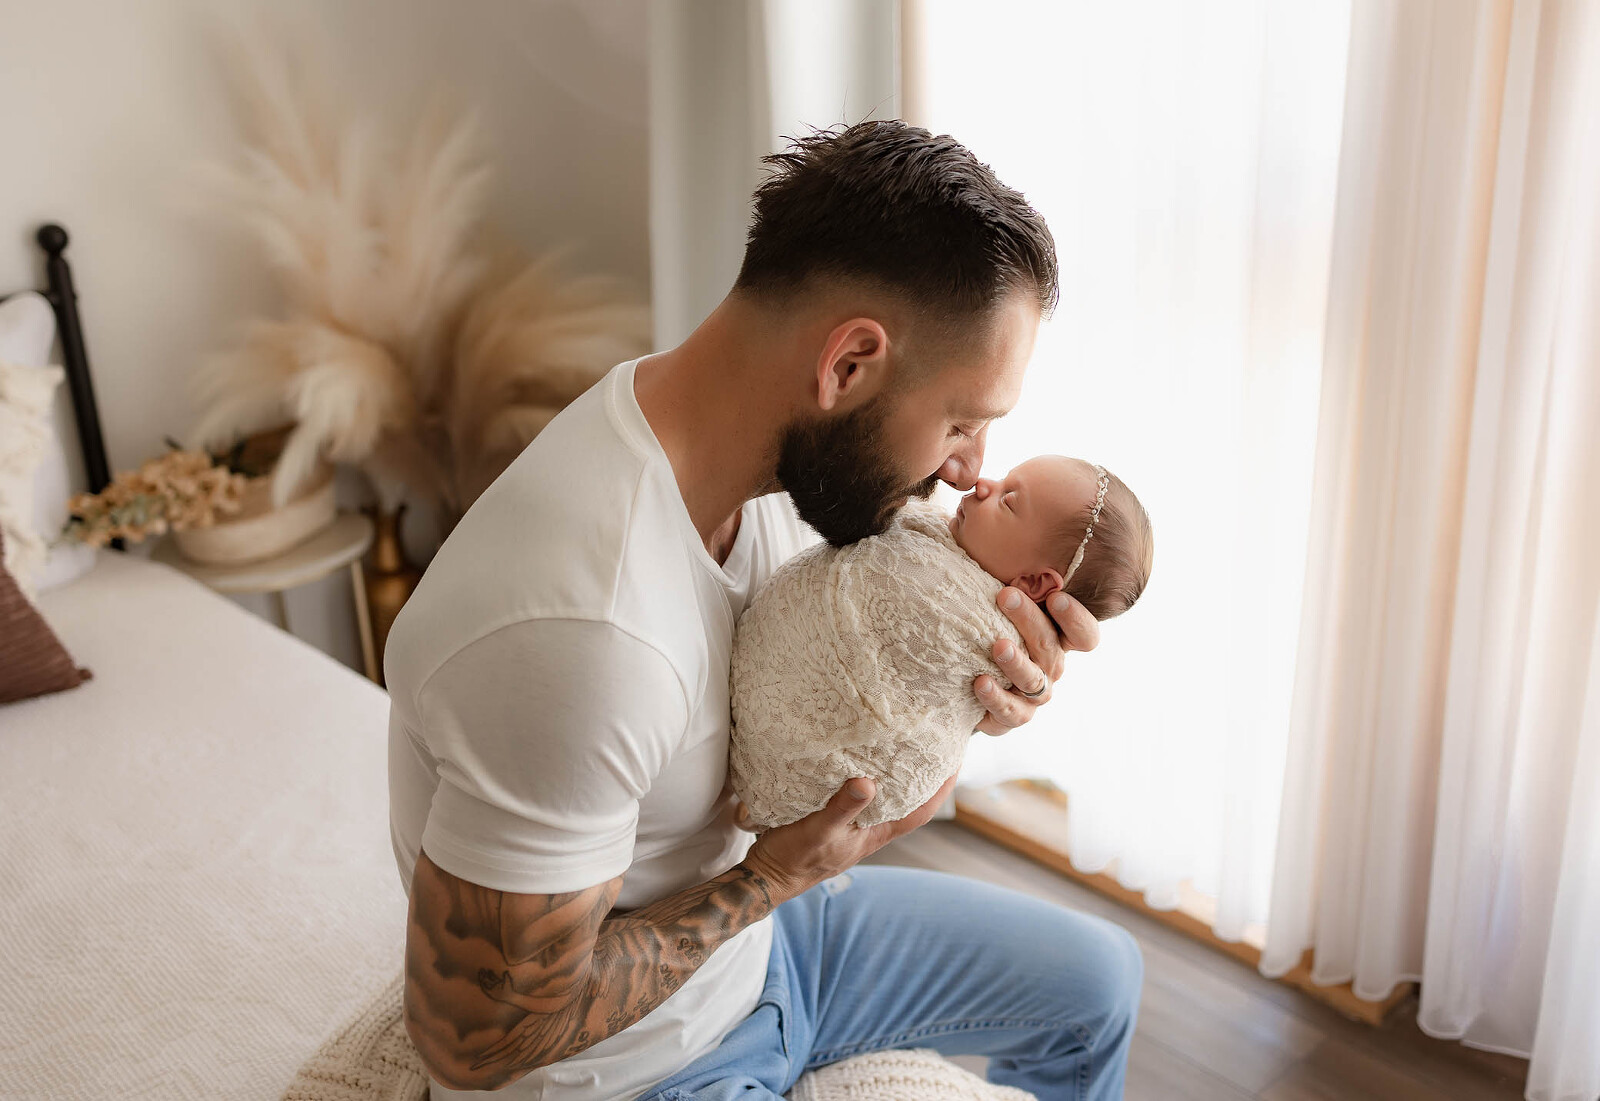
point(411, 346)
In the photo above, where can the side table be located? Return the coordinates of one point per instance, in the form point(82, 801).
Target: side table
point(341, 543)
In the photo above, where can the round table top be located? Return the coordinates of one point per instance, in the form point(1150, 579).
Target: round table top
point(336, 545)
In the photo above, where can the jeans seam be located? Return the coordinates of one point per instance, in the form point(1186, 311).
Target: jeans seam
point(822, 1058)
point(783, 1024)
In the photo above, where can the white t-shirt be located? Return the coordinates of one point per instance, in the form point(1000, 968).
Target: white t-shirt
point(559, 714)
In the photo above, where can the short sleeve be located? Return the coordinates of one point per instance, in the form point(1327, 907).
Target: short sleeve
point(547, 734)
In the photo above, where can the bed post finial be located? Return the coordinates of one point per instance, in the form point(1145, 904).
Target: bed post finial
point(52, 238)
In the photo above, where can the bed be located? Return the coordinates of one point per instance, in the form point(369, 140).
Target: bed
point(196, 879)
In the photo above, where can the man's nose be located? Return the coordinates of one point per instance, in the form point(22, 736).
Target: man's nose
point(956, 473)
point(960, 470)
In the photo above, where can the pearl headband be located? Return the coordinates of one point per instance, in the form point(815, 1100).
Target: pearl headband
point(1088, 532)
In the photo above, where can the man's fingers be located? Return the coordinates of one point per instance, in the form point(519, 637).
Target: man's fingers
point(1030, 680)
point(1007, 710)
point(1039, 635)
point(1080, 629)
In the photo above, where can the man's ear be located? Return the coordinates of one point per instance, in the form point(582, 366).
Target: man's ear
point(1039, 585)
point(853, 363)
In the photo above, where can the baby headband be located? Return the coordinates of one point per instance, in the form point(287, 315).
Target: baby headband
point(1088, 532)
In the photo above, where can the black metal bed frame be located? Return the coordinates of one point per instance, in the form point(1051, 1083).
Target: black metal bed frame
point(63, 298)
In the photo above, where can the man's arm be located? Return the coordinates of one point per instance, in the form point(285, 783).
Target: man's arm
point(499, 983)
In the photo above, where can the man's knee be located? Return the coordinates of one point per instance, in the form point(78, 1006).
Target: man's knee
point(1117, 978)
point(1130, 979)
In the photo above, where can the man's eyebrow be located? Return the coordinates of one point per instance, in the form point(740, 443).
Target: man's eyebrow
point(985, 414)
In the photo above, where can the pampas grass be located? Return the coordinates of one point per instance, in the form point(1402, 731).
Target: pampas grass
point(412, 346)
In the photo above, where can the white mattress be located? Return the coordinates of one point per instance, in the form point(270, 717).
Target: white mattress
point(196, 880)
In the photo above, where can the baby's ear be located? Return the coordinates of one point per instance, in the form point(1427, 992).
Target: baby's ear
point(1039, 585)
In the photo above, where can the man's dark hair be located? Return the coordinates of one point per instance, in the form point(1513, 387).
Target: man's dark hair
point(894, 204)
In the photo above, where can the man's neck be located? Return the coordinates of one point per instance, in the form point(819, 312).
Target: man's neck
point(716, 409)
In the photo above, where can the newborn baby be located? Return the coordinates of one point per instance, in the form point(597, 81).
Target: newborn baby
point(859, 660)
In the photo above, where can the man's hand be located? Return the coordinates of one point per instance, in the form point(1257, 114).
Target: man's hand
point(824, 843)
point(1068, 627)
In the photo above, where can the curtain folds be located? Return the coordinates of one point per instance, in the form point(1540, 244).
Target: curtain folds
point(1442, 753)
point(1406, 287)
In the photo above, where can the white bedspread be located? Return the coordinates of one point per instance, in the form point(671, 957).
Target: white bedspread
point(196, 880)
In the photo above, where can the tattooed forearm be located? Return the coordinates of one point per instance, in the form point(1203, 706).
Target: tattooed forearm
point(498, 984)
point(639, 959)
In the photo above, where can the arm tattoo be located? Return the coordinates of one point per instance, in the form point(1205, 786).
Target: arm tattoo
point(561, 972)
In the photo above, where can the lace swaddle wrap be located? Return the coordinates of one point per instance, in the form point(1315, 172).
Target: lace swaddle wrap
point(858, 661)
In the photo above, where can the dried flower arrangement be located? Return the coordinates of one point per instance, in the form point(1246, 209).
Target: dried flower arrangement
point(414, 346)
point(180, 489)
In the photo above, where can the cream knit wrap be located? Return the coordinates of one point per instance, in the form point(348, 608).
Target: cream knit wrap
point(859, 661)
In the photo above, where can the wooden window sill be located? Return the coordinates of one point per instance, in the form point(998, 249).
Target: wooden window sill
point(1030, 818)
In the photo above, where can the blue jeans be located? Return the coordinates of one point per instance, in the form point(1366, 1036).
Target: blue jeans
point(889, 957)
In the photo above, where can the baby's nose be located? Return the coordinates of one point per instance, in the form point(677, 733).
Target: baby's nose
point(982, 488)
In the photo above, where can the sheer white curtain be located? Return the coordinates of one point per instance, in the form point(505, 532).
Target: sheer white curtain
point(1330, 297)
point(1185, 157)
point(1445, 759)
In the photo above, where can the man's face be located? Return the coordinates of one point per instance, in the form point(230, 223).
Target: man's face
point(849, 474)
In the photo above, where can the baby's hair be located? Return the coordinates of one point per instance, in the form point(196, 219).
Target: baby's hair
point(1116, 563)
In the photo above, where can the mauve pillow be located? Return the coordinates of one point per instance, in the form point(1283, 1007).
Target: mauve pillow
point(32, 660)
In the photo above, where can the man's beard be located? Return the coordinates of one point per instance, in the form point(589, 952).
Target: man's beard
point(841, 476)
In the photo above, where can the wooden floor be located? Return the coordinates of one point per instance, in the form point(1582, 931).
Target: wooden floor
point(1212, 1029)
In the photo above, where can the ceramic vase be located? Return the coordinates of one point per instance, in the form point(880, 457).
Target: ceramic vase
point(389, 577)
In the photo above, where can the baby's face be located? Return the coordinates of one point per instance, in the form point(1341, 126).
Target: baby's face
point(1006, 525)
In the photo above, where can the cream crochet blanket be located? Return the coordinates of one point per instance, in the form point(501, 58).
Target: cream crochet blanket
point(370, 1058)
point(858, 661)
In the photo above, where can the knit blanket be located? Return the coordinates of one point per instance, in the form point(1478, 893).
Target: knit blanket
point(370, 1058)
point(859, 661)
point(915, 1074)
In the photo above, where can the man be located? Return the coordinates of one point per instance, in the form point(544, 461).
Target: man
point(587, 920)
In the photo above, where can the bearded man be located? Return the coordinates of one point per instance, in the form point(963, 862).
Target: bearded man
point(588, 921)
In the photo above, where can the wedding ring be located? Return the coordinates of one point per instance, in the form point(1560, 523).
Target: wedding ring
point(1036, 695)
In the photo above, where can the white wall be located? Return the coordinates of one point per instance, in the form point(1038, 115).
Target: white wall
point(108, 103)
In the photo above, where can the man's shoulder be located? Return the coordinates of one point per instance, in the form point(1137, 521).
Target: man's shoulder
point(551, 659)
point(553, 538)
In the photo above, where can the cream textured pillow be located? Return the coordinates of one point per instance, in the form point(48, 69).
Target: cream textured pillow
point(26, 397)
point(27, 332)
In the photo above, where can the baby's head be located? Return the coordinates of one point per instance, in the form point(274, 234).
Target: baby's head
point(1029, 526)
